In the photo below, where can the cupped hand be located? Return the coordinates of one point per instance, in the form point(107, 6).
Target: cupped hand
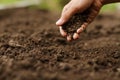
point(79, 6)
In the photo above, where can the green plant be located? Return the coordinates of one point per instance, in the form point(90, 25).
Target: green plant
point(7, 1)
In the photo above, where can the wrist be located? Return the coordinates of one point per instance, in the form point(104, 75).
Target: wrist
point(99, 3)
point(109, 1)
point(103, 2)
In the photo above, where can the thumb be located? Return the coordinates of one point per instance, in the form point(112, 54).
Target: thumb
point(66, 15)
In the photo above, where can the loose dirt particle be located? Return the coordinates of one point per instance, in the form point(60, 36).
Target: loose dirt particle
point(13, 43)
point(65, 66)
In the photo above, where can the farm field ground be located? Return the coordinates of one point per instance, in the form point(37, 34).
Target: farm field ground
point(31, 48)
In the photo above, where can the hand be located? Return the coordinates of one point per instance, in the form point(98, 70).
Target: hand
point(79, 6)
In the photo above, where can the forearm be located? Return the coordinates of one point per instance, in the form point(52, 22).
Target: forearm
point(109, 1)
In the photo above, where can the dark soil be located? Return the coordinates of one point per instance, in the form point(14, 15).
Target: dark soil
point(74, 23)
point(31, 48)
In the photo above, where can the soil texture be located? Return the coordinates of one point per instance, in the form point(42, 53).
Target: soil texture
point(31, 48)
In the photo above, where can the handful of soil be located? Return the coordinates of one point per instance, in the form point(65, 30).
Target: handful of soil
point(74, 23)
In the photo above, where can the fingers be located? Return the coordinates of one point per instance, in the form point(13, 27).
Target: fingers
point(69, 38)
point(62, 32)
point(75, 36)
point(82, 28)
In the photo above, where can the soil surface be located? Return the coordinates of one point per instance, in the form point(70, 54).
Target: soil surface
point(31, 48)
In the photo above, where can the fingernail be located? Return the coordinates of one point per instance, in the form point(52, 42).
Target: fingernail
point(59, 22)
point(75, 36)
point(69, 38)
point(79, 30)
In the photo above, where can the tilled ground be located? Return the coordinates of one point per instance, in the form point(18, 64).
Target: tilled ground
point(31, 48)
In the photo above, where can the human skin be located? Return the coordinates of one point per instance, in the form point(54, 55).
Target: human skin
point(79, 6)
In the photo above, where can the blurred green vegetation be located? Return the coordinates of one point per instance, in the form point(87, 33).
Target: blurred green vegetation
point(7, 1)
point(50, 4)
point(57, 5)
point(110, 7)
